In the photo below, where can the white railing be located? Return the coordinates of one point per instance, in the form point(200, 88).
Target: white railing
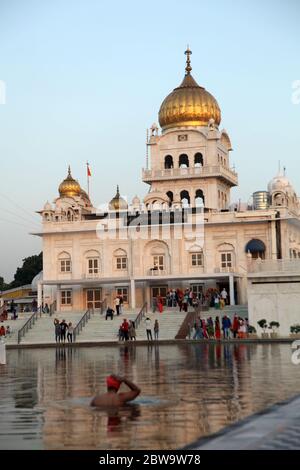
point(91, 275)
point(157, 272)
point(275, 265)
point(224, 270)
point(191, 171)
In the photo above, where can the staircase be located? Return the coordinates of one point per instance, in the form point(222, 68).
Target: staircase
point(98, 329)
point(169, 324)
point(15, 326)
point(43, 330)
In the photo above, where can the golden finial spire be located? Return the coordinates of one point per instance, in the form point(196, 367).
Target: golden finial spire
point(188, 67)
point(118, 192)
point(69, 171)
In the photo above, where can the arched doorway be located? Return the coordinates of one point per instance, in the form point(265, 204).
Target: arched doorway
point(183, 161)
point(257, 248)
point(168, 162)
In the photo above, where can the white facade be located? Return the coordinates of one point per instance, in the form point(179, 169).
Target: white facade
point(274, 293)
point(89, 256)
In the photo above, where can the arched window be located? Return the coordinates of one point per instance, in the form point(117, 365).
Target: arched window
point(92, 263)
point(257, 248)
point(168, 162)
point(196, 256)
point(198, 159)
point(185, 198)
point(183, 161)
point(171, 197)
point(199, 198)
point(156, 258)
point(64, 262)
point(226, 257)
point(121, 261)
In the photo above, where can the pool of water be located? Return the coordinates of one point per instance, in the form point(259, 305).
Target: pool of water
point(188, 391)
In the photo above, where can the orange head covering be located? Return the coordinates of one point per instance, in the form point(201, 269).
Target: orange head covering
point(112, 382)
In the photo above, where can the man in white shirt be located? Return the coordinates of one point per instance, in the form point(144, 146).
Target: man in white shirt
point(224, 295)
point(148, 329)
point(117, 304)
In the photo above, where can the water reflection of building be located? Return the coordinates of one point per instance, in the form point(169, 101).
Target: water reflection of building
point(187, 391)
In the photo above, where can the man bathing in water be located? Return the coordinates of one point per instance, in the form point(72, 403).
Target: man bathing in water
point(112, 397)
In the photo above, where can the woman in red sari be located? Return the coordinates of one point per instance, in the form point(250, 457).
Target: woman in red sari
point(217, 328)
point(160, 304)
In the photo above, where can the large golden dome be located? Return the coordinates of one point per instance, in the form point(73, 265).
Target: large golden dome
point(69, 187)
point(189, 104)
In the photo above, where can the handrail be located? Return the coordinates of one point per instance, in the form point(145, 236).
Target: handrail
point(82, 322)
point(140, 315)
point(52, 308)
point(103, 306)
point(30, 322)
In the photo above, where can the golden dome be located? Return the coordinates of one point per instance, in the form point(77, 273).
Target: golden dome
point(118, 203)
point(189, 104)
point(69, 187)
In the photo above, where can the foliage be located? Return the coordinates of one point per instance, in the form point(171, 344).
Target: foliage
point(30, 268)
point(274, 325)
point(251, 329)
point(263, 324)
point(295, 328)
point(3, 285)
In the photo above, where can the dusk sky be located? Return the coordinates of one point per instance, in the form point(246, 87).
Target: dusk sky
point(85, 78)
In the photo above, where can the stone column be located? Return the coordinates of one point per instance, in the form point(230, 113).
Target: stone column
point(58, 298)
point(132, 293)
point(231, 289)
point(39, 295)
point(273, 239)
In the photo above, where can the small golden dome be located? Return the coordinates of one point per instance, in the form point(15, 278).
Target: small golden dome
point(189, 104)
point(69, 187)
point(118, 203)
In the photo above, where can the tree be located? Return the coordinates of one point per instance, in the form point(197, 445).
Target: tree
point(3, 285)
point(31, 267)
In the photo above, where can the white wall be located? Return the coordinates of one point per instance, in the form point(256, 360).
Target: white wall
point(278, 301)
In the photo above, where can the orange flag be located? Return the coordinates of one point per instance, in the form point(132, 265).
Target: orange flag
point(88, 171)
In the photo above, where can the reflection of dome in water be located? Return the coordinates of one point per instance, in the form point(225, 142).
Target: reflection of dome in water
point(69, 187)
point(118, 203)
point(189, 104)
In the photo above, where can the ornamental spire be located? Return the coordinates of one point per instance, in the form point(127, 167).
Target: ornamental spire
point(188, 67)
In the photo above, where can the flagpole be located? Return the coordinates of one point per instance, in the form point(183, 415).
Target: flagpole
point(88, 181)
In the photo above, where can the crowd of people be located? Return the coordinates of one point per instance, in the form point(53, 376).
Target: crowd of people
point(185, 298)
point(214, 329)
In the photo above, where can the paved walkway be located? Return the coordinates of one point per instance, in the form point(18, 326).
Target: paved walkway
point(277, 428)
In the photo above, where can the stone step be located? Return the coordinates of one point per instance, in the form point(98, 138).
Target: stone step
point(43, 330)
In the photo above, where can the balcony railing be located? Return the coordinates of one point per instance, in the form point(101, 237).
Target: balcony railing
point(275, 266)
point(227, 269)
point(157, 272)
point(91, 275)
point(191, 172)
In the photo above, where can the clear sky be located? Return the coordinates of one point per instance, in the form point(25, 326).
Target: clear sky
point(85, 78)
